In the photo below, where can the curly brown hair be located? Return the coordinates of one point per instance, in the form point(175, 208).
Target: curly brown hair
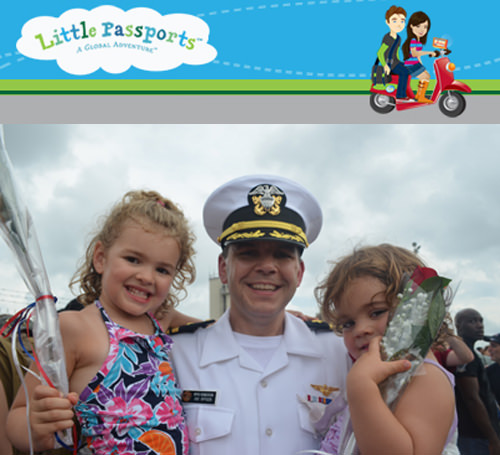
point(152, 211)
point(388, 263)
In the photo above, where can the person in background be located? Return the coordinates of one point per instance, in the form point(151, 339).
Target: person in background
point(493, 370)
point(9, 385)
point(484, 354)
point(248, 379)
point(478, 425)
point(449, 349)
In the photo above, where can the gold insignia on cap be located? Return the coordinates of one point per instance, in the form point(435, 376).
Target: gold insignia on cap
point(246, 235)
point(266, 199)
point(324, 389)
point(229, 233)
point(285, 236)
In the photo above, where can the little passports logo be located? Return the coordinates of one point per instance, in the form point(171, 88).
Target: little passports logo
point(107, 37)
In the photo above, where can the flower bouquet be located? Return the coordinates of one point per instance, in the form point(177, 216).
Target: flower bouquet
point(414, 327)
point(17, 228)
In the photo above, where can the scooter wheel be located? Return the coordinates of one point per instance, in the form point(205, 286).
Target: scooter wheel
point(451, 103)
point(382, 104)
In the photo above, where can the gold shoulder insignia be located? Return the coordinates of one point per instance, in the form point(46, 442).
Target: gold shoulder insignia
point(190, 328)
point(317, 325)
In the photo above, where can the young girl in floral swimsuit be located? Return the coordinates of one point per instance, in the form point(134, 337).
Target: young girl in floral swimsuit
point(122, 386)
point(359, 295)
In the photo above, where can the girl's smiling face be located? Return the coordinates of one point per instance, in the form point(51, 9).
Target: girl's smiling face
point(363, 313)
point(421, 29)
point(137, 271)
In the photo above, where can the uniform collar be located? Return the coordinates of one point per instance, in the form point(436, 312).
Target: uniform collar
point(220, 344)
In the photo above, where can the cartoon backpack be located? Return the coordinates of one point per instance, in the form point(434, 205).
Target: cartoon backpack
point(377, 75)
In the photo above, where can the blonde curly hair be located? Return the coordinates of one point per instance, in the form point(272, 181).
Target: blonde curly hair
point(152, 211)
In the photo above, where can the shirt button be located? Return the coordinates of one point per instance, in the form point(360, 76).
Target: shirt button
point(269, 432)
point(263, 383)
point(197, 432)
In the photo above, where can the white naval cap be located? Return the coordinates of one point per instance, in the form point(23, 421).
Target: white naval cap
point(262, 207)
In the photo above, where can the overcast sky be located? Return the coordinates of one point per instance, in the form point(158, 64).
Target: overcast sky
point(437, 185)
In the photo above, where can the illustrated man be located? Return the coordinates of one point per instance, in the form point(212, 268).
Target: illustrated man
point(478, 426)
point(254, 375)
point(388, 53)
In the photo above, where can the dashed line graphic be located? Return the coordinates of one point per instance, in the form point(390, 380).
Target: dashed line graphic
point(288, 72)
point(282, 5)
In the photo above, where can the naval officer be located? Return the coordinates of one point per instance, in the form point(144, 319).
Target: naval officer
point(250, 380)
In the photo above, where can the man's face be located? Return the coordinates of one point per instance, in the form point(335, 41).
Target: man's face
point(471, 325)
point(262, 277)
point(397, 23)
point(494, 351)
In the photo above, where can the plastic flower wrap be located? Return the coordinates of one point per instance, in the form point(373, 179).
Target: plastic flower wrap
point(414, 327)
point(16, 226)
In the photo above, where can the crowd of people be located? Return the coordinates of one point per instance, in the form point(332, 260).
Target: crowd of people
point(260, 380)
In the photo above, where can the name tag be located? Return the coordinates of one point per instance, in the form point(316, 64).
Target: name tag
point(199, 396)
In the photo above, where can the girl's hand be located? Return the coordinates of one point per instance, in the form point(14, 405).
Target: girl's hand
point(50, 412)
point(370, 367)
point(300, 315)
point(387, 69)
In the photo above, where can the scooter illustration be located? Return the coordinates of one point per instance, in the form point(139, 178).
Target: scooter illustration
point(446, 92)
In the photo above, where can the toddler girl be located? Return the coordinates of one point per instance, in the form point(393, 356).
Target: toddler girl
point(359, 296)
point(123, 389)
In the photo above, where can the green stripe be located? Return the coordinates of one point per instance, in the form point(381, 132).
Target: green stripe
point(209, 87)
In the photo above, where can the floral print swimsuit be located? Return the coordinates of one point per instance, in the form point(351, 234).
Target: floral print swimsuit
point(132, 405)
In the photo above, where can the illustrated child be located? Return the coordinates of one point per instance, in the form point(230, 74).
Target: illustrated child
point(417, 29)
point(388, 53)
point(122, 387)
point(359, 296)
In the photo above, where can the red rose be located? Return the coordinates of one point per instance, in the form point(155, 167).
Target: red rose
point(421, 274)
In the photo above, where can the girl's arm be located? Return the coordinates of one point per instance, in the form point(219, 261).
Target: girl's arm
point(423, 415)
point(419, 54)
point(460, 353)
point(174, 318)
point(49, 411)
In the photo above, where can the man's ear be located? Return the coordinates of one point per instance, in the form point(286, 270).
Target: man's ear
point(223, 268)
point(99, 257)
point(301, 272)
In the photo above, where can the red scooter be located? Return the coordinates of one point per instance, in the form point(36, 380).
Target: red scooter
point(446, 92)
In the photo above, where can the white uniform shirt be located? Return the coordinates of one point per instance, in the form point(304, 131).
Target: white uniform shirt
point(257, 412)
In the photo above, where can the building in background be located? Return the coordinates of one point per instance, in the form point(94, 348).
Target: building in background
point(219, 297)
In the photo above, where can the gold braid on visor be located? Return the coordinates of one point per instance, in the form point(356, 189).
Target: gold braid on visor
point(242, 225)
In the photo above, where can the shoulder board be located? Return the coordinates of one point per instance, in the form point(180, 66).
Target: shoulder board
point(190, 328)
point(317, 325)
